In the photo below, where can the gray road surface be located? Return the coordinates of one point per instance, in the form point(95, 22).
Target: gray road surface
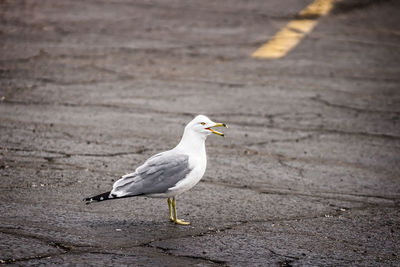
point(309, 171)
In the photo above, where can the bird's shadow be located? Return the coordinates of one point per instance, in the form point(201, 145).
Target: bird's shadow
point(126, 233)
point(132, 225)
point(129, 223)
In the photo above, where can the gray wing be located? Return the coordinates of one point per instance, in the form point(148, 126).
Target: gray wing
point(156, 175)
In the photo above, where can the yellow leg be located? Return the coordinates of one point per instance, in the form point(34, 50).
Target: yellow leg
point(176, 220)
point(171, 218)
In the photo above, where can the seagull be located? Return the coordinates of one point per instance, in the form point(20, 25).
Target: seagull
point(169, 173)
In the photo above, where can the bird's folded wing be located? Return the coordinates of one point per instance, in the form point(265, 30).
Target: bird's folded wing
point(156, 175)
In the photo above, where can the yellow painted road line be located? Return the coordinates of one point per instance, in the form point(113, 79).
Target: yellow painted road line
point(288, 38)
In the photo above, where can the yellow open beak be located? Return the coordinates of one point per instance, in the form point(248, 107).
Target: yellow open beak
point(218, 125)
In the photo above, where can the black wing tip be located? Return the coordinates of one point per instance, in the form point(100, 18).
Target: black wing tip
point(88, 200)
point(100, 197)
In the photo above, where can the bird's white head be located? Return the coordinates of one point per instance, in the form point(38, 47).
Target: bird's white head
point(202, 126)
point(196, 133)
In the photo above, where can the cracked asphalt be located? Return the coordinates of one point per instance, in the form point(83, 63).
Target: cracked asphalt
point(307, 176)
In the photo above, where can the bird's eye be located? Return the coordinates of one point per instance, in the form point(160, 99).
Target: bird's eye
point(202, 123)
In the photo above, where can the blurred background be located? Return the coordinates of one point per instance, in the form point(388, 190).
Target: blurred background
point(308, 172)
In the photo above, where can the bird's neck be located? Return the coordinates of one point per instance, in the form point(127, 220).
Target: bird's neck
point(192, 143)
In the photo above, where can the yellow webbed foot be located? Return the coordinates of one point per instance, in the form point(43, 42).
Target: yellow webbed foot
point(173, 217)
point(181, 222)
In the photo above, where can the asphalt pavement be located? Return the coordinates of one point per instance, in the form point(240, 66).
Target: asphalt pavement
point(308, 174)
